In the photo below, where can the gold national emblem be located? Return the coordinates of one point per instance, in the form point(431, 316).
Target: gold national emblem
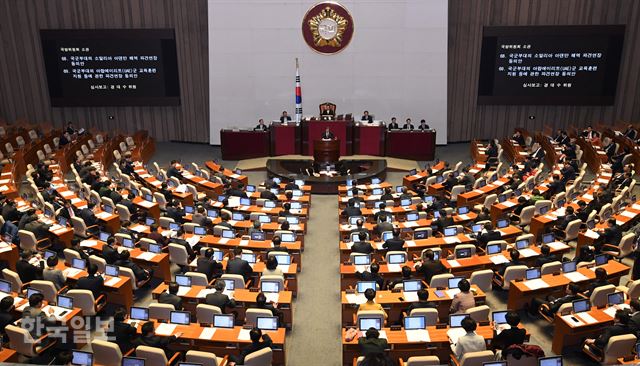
point(327, 27)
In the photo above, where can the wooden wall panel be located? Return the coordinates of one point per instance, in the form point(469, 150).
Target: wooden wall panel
point(467, 120)
point(23, 84)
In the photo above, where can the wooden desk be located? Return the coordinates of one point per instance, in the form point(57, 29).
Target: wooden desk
point(409, 180)
point(477, 195)
point(566, 333)
point(120, 293)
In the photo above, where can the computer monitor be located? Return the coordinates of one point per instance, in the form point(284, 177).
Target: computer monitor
point(258, 236)
point(450, 231)
point(283, 260)
point(132, 361)
point(517, 192)
point(244, 201)
point(155, 248)
point(502, 197)
point(5, 286)
point(264, 219)
point(436, 214)
point(49, 253)
point(228, 234)
point(229, 285)
point(293, 220)
point(251, 188)
point(387, 235)
point(476, 228)
point(218, 255)
point(439, 179)
point(223, 321)
point(269, 204)
point(601, 259)
point(377, 204)
point(463, 210)
point(463, 253)
point(269, 286)
point(249, 257)
point(560, 203)
point(297, 193)
point(276, 180)
point(299, 182)
point(349, 182)
point(180, 317)
point(550, 361)
point(221, 197)
point(108, 209)
point(287, 238)
point(428, 199)
point(532, 273)
point(453, 281)
point(183, 280)
point(376, 191)
point(212, 213)
point(361, 260)
point(267, 323)
point(62, 221)
point(79, 263)
point(399, 258)
point(149, 221)
point(499, 317)
point(494, 249)
point(375, 180)
point(422, 234)
point(591, 224)
point(415, 322)
point(495, 363)
point(581, 305)
point(48, 212)
point(200, 230)
point(237, 216)
point(544, 210)
point(568, 267)
point(111, 270)
point(188, 209)
point(365, 323)
point(81, 358)
point(405, 202)
point(128, 243)
point(134, 191)
point(455, 320)
point(65, 302)
point(548, 238)
point(413, 216)
point(104, 236)
point(296, 205)
point(148, 197)
point(274, 190)
point(138, 313)
point(174, 226)
point(411, 285)
point(32, 291)
point(362, 286)
point(615, 298)
point(482, 183)
point(522, 244)
point(436, 255)
point(502, 223)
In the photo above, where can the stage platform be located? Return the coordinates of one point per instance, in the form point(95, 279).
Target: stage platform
point(393, 164)
point(360, 170)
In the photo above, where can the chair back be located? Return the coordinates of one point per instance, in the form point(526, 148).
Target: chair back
point(526, 215)
point(513, 273)
point(572, 230)
point(430, 315)
point(106, 353)
point(252, 315)
point(238, 280)
point(472, 247)
point(160, 311)
point(423, 361)
point(100, 262)
point(79, 227)
point(47, 288)
point(14, 278)
point(540, 204)
point(203, 358)
point(479, 313)
point(198, 279)
point(395, 252)
point(626, 245)
point(20, 340)
point(69, 255)
point(27, 240)
point(205, 312)
point(123, 212)
point(455, 191)
point(440, 280)
point(490, 200)
point(84, 300)
point(128, 272)
point(482, 279)
point(633, 292)
point(551, 267)
point(263, 357)
point(599, 296)
point(370, 314)
point(476, 358)
point(618, 347)
point(218, 229)
point(152, 355)
point(178, 254)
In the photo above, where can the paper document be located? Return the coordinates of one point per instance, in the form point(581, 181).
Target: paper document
point(272, 296)
point(586, 317)
point(193, 240)
point(576, 276)
point(451, 239)
point(453, 263)
point(455, 333)
point(112, 281)
point(452, 292)
point(573, 320)
point(591, 234)
point(165, 329)
point(628, 214)
point(88, 243)
point(356, 298)
point(556, 245)
point(417, 335)
point(498, 259)
point(536, 284)
point(394, 267)
point(527, 252)
point(207, 333)
point(146, 256)
point(410, 296)
point(204, 292)
point(243, 335)
point(182, 290)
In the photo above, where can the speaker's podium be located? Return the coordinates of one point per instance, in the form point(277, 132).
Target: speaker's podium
point(326, 151)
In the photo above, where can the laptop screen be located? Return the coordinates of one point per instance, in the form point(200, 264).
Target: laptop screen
point(228, 234)
point(188, 209)
point(5, 286)
point(502, 223)
point(502, 198)
point(148, 197)
point(293, 220)
point(568, 267)
point(267, 323)
point(65, 302)
point(269, 286)
point(476, 228)
point(450, 231)
point(414, 322)
point(295, 205)
point(494, 249)
point(591, 224)
point(223, 320)
point(413, 217)
point(138, 313)
point(199, 230)
point(375, 181)
point(521, 244)
point(251, 188)
point(238, 216)
point(532, 273)
point(581, 305)
point(244, 201)
point(264, 219)
point(463, 253)
point(182, 280)
point(108, 209)
point(258, 235)
point(218, 255)
point(78, 263)
point(463, 210)
point(376, 191)
point(81, 358)
point(112, 271)
point(132, 361)
point(366, 323)
point(269, 204)
point(364, 285)
point(229, 285)
point(499, 317)
point(49, 253)
point(455, 320)
point(287, 237)
point(397, 258)
point(31, 291)
point(544, 209)
point(249, 257)
point(387, 235)
point(377, 204)
point(62, 221)
point(495, 363)
point(405, 202)
point(601, 259)
point(174, 226)
point(127, 243)
point(422, 234)
point(615, 298)
point(155, 248)
point(360, 260)
point(283, 259)
point(149, 221)
point(411, 285)
point(548, 238)
point(179, 317)
point(550, 361)
point(453, 281)
point(212, 213)
point(104, 236)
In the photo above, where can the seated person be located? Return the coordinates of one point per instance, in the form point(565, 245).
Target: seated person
point(261, 126)
point(123, 333)
point(522, 203)
point(487, 235)
point(149, 338)
point(545, 256)
point(140, 273)
point(51, 273)
point(371, 275)
point(218, 298)
point(395, 243)
point(208, 265)
point(366, 117)
point(550, 305)
point(258, 342)
point(602, 279)
point(406, 275)
point(171, 296)
point(351, 210)
point(272, 267)
point(470, 342)
point(277, 245)
point(463, 300)
point(92, 281)
point(515, 261)
point(34, 318)
point(155, 235)
point(109, 253)
point(508, 337)
point(423, 302)
point(6, 316)
point(394, 124)
point(237, 265)
point(370, 295)
point(408, 125)
point(362, 246)
point(261, 303)
point(430, 267)
point(619, 327)
point(371, 343)
point(27, 271)
point(285, 117)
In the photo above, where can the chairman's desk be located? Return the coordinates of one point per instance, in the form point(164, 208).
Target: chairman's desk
point(401, 347)
point(520, 295)
point(394, 303)
point(247, 144)
point(245, 299)
point(221, 342)
point(415, 145)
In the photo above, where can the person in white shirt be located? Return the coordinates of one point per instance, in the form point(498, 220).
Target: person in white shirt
point(470, 342)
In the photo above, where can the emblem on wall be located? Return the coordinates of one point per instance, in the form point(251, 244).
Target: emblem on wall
point(327, 27)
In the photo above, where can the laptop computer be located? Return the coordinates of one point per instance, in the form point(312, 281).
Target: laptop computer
point(414, 322)
point(133, 361)
point(362, 286)
point(180, 317)
point(580, 306)
point(568, 267)
point(81, 358)
point(453, 281)
point(365, 323)
point(455, 320)
point(138, 313)
point(267, 323)
point(532, 273)
point(550, 361)
point(223, 321)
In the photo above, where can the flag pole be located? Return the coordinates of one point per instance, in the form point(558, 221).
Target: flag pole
point(298, 94)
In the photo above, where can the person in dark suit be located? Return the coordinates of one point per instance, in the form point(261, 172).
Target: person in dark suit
point(277, 245)
point(569, 216)
point(371, 343)
point(171, 297)
point(611, 235)
point(568, 173)
point(261, 126)
point(87, 215)
point(430, 267)
point(208, 265)
point(545, 256)
point(128, 203)
point(218, 298)
point(610, 149)
point(174, 170)
point(423, 126)
point(602, 279)
point(75, 246)
point(140, 273)
point(582, 213)
point(261, 303)
point(179, 240)
point(328, 135)
point(555, 186)
point(508, 337)
point(630, 132)
point(237, 191)
point(382, 214)
point(518, 138)
point(200, 217)
point(109, 253)
point(355, 198)
point(423, 302)
point(487, 235)
point(550, 305)
point(10, 212)
point(515, 261)
point(285, 117)
point(371, 275)
point(450, 182)
point(366, 117)
point(590, 133)
point(27, 271)
point(634, 321)
point(267, 194)
point(67, 211)
point(156, 236)
point(620, 327)
point(92, 282)
point(124, 334)
point(408, 125)
point(387, 195)
point(444, 221)
point(351, 210)
point(149, 338)
point(395, 243)
point(362, 246)
point(6, 315)
point(237, 265)
point(393, 125)
point(537, 153)
point(175, 212)
point(39, 229)
point(258, 342)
